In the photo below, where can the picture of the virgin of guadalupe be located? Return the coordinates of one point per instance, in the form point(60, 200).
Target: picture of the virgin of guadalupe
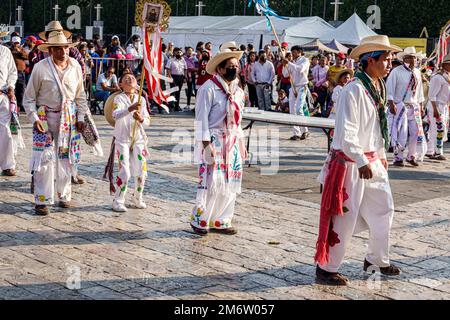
point(152, 14)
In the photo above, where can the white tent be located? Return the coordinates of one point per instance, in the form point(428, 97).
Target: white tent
point(351, 32)
point(187, 31)
point(336, 45)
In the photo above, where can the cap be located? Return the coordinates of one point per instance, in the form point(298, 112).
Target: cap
point(284, 44)
point(38, 42)
point(115, 37)
point(16, 40)
point(32, 39)
point(341, 55)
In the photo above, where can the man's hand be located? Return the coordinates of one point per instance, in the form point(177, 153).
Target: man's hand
point(285, 62)
point(385, 164)
point(210, 153)
point(38, 126)
point(365, 172)
point(134, 107)
point(80, 126)
point(392, 107)
point(138, 117)
point(10, 94)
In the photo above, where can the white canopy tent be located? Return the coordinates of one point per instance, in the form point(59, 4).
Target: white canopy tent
point(188, 31)
point(351, 32)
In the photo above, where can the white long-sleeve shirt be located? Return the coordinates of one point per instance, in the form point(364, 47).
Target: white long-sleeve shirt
point(263, 73)
point(123, 130)
point(439, 89)
point(8, 70)
point(397, 84)
point(357, 125)
point(298, 70)
point(43, 90)
point(211, 108)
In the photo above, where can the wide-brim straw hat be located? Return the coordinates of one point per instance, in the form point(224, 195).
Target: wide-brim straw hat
point(54, 26)
point(56, 39)
point(108, 109)
point(372, 44)
point(446, 59)
point(4, 34)
point(220, 57)
point(350, 71)
point(410, 51)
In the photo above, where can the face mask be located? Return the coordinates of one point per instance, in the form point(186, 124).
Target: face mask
point(205, 58)
point(178, 56)
point(230, 74)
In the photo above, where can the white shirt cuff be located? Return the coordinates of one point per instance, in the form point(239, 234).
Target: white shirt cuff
point(362, 161)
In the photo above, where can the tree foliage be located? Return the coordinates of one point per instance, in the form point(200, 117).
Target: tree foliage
point(401, 18)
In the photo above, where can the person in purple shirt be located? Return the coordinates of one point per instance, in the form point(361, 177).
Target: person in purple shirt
point(192, 68)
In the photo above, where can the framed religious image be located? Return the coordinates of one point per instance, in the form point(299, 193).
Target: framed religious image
point(152, 14)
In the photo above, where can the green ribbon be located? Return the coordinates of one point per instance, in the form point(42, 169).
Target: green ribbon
point(380, 100)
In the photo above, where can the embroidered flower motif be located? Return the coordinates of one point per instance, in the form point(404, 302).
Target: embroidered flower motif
point(218, 224)
point(144, 166)
point(41, 198)
point(203, 224)
point(123, 189)
point(139, 157)
point(199, 211)
point(119, 181)
point(346, 197)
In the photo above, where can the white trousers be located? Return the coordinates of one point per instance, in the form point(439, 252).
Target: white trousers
point(369, 206)
point(131, 164)
point(296, 105)
point(218, 212)
point(44, 179)
point(7, 160)
point(264, 97)
point(438, 129)
point(401, 128)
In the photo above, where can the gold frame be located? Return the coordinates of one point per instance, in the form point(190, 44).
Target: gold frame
point(165, 15)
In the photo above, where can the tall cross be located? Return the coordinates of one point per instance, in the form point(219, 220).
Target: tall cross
point(19, 13)
point(98, 8)
point(200, 6)
point(336, 9)
point(57, 8)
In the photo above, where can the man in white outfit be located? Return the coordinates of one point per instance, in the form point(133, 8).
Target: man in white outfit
point(298, 71)
point(55, 102)
point(406, 99)
point(8, 78)
point(439, 102)
point(357, 195)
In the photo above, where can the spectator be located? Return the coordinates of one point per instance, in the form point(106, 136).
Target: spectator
point(20, 58)
point(114, 50)
point(321, 84)
point(283, 102)
point(242, 63)
point(208, 47)
point(269, 54)
point(342, 79)
point(29, 44)
point(97, 45)
point(35, 56)
point(177, 70)
point(192, 68)
point(263, 74)
point(135, 51)
point(170, 50)
point(106, 84)
point(284, 83)
point(252, 96)
point(202, 75)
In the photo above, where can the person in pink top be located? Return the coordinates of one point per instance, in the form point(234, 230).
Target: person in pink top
point(321, 84)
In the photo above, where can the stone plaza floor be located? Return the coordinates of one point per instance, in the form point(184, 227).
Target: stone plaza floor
point(153, 254)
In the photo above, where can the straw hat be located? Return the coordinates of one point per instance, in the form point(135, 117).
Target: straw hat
point(223, 55)
point(108, 109)
point(373, 43)
point(3, 34)
point(229, 45)
point(56, 39)
point(54, 26)
point(410, 51)
point(339, 75)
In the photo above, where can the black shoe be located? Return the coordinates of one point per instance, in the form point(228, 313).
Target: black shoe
point(294, 138)
point(399, 163)
point(177, 109)
point(392, 270)
point(330, 278)
point(391, 149)
point(9, 172)
point(439, 157)
point(304, 136)
point(201, 232)
point(41, 210)
point(413, 162)
point(228, 231)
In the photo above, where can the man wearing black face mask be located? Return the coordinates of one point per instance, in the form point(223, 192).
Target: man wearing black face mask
point(177, 70)
point(220, 147)
point(263, 73)
point(202, 75)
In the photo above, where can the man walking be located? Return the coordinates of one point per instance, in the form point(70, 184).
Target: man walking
point(55, 101)
point(357, 195)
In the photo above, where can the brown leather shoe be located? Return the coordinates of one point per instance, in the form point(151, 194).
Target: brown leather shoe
point(392, 270)
point(439, 157)
point(228, 231)
point(64, 204)
point(413, 162)
point(9, 172)
point(41, 210)
point(330, 278)
point(201, 232)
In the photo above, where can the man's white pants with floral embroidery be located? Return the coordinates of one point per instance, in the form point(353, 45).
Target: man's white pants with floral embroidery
point(368, 206)
point(131, 164)
point(44, 179)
